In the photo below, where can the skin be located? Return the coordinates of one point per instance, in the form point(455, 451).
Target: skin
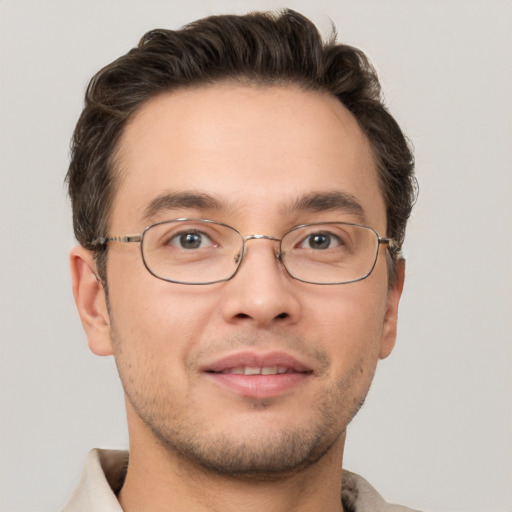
point(196, 444)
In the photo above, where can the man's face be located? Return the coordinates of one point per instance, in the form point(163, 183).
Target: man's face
point(256, 152)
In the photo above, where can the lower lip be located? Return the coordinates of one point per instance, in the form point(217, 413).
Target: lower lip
point(259, 386)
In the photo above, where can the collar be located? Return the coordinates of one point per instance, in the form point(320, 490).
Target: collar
point(105, 470)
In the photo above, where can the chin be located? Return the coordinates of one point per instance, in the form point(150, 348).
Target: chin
point(262, 454)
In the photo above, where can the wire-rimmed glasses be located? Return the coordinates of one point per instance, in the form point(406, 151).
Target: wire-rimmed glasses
point(200, 251)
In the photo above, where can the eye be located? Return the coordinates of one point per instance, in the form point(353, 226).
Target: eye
point(190, 240)
point(321, 241)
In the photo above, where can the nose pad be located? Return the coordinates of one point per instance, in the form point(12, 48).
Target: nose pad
point(238, 258)
point(261, 293)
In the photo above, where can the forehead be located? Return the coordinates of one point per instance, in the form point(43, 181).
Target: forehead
point(251, 148)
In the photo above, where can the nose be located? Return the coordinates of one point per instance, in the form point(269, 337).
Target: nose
point(262, 293)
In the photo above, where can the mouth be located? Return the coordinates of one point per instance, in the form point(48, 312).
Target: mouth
point(254, 375)
point(254, 370)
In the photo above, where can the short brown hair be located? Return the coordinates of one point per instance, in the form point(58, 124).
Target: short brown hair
point(260, 48)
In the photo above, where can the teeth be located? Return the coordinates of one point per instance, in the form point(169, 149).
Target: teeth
point(249, 370)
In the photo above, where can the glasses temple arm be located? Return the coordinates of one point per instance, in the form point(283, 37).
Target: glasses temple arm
point(102, 241)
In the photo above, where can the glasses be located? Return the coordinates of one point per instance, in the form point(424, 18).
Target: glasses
point(190, 251)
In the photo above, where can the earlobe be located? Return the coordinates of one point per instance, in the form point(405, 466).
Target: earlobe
point(90, 301)
point(391, 315)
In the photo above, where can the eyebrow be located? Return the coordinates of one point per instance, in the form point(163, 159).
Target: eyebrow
point(312, 202)
point(176, 200)
point(328, 201)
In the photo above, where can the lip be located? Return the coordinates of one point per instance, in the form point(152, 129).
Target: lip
point(293, 372)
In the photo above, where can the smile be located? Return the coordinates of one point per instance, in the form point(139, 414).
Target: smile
point(265, 370)
point(256, 375)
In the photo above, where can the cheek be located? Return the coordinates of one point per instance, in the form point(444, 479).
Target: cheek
point(356, 312)
point(154, 319)
point(153, 335)
point(350, 326)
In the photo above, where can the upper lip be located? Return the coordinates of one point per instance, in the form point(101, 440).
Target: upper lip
point(257, 360)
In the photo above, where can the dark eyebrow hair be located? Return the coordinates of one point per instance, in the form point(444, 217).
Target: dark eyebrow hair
point(172, 200)
point(313, 202)
point(325, 201)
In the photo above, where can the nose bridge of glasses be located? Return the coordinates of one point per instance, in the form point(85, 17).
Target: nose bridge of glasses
point(257, 236)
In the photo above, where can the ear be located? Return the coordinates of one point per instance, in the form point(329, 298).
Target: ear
point(391, 316)
point(91, 301)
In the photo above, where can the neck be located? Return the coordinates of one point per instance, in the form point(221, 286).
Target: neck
point(159, 479)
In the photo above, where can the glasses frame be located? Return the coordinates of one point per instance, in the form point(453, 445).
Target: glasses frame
point(103, 241)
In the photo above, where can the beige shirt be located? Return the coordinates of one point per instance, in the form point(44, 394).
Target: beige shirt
point(105, 470)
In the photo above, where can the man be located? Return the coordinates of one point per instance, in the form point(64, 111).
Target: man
point(240, 196)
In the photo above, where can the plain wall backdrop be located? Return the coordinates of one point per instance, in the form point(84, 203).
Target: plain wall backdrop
point(436, 430)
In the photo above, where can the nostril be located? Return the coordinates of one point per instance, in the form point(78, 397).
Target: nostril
point(242, 315)
point(282, 315)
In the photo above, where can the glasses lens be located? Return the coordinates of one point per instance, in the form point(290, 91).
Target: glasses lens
point(330, 253)
point(191, 251)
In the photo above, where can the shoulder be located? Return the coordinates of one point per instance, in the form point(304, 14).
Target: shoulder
point(358, 495)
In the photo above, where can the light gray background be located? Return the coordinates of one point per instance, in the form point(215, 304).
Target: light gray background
point(436, 430)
